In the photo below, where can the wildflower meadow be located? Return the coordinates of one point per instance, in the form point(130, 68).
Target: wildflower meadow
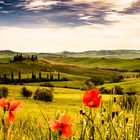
point(95, 119)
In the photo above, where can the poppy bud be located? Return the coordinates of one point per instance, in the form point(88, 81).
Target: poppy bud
point(113, 115)
point(126, 120)
point(114, 100)
point(82, 112)
point(102, 122)
point(93, 129)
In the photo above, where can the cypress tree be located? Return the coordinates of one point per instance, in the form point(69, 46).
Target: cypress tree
point(5, 77)
point(58, 76)
point(39, 75)
point(47, 76)
point(12, 76)
point(19, 75)
point(51, 76)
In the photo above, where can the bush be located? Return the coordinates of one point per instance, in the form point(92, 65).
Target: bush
point(3, 92)
point(43, 95)
point(64, 79)
point(97, 80)
point(118, 90)
point(117, 78)
point(106, 91)
point(47, 85)
point(26, 93)
point(88, 85)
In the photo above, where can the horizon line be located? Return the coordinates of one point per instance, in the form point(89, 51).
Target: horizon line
point(63, 51)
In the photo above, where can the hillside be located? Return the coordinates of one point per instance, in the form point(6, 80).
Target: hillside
point(25, 67)
point(106, 63)
point(83, 71)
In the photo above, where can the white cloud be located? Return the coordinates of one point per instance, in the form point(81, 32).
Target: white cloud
point(40, 4)
point(122, 35)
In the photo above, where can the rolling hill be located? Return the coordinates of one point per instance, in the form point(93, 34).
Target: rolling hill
point(26, 66)
point(105, 63)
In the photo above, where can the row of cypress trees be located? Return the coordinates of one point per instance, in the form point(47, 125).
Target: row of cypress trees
point(49, 76)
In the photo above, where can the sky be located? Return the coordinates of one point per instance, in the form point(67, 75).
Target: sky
point(69, 25)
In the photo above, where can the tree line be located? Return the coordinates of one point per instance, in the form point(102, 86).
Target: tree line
point(35, 77)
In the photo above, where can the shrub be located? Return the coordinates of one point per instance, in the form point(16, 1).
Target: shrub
point(117, 78)
point(3, 92)
point(64, 79)
point(26, 93)
point(97, 80)
point(88, 85)
point(118, 90)
point(106, 91)
point(43, 95)
point(50, 85)
point(47, 85)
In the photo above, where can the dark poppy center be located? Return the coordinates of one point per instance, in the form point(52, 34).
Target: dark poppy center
point(62, 126)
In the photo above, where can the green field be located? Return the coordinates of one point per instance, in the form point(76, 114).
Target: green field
point(31, 124)
point(106, 63)
point(32, 119)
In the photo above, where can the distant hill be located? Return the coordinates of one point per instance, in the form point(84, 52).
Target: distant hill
point(126, 54)
point(7, 52)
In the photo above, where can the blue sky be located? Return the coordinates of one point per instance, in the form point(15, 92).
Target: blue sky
point(72, 25)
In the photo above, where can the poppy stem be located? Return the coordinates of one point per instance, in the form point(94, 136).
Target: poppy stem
point(47, 124)
point(93, 124)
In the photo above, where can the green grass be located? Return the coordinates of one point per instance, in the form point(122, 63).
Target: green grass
point(30, 124)
point(24, 67)
point(132, 85)
point(88, 62)
point(83, 71)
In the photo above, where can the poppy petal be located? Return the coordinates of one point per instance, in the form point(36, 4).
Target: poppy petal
point(66, 119)
point(15, 105)
point(97, 101)
point(67, 131)
point(54, 124)
point(91, 98)
point(11, 117)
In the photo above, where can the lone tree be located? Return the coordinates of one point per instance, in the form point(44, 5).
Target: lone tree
point(26, 93)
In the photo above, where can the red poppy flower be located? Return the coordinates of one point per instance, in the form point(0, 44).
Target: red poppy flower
point(10, 105)
point(63, 125)
point(92, 98)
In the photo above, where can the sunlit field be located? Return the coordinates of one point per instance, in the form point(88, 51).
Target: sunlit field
point(110, 121)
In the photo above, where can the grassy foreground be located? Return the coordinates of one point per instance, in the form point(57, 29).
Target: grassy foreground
point(31, 121)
